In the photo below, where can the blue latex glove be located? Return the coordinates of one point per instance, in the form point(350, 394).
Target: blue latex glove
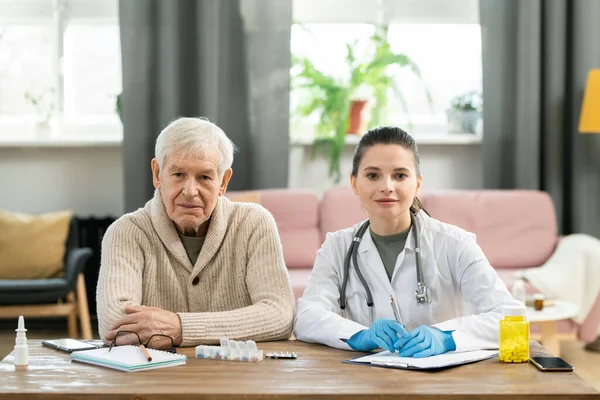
point(425, 341)
point(382, 333)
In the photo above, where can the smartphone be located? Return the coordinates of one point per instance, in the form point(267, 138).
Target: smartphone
point(71, 345)
point(551, 364)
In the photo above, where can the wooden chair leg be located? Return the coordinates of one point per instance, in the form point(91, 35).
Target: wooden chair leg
point(72, 317)
point(84, 312)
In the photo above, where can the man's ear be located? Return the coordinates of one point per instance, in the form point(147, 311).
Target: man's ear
point(155, 174)
point(225, 181)
point(353, 184)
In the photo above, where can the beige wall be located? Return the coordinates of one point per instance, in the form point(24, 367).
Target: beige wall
point(89, 180)
point(447, 166)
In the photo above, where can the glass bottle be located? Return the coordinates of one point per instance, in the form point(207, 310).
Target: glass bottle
point(518, 290)
point(514, 335)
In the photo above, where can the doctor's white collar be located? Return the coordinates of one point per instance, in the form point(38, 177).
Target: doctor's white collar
point(366, 242)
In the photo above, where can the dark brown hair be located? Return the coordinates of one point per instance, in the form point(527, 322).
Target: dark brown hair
point(388, 135)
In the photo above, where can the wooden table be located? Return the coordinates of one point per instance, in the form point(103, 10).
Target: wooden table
point(317, 374)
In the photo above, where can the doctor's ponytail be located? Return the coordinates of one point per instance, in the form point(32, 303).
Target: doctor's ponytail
point(389, 135)
point(417, 206)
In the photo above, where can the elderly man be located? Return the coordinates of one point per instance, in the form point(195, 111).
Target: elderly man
point(191, 264)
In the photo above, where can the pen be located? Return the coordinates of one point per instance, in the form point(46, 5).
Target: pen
point(146, 354)
point(390, 364)
point(396, 311)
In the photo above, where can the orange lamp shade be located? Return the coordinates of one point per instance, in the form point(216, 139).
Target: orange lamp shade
point(589, 121)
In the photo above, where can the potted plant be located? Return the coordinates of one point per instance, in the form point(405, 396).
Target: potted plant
point(44, 109)
point(464, 112)
point(344, 105)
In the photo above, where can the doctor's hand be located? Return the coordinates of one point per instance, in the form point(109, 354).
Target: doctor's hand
point(382, 333)
point(147, 321)
point(425, 341)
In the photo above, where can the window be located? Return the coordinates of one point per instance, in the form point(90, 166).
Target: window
point(92, 70)
point(60, 61)
point(442, 38)
point(449, 58)
point(25, 66)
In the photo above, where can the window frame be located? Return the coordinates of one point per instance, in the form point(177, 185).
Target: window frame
point(385, 12)
point(61, 13)
point(388, 12)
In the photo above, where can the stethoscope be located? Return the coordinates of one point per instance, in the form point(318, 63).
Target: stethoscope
point(422, 294)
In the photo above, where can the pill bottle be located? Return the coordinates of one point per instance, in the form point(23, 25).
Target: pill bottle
point(514, 335)
point(538, 299)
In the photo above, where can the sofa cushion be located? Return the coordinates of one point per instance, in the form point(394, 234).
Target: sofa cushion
point(32, 291)
point(297, 218)
point(340, 208)
point(33, 246)
point(515, 228)
point(32, 286)
point(248, 196)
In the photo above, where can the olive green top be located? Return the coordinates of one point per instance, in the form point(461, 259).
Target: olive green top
point(389, 247)
point(192, 246)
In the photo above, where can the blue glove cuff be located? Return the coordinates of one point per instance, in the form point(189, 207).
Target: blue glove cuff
point(355, 339)
point(449, 341)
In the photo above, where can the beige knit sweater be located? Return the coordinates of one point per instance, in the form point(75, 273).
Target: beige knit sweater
point(243, 290)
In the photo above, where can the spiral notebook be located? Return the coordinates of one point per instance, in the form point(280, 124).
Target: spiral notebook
point(129, 358)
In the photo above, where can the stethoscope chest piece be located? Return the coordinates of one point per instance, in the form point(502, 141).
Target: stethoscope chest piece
point(423, 293)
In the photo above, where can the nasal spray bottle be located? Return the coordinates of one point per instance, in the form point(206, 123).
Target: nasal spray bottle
point(21, 348)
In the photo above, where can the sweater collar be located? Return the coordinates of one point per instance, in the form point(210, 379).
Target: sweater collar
point(167, 232)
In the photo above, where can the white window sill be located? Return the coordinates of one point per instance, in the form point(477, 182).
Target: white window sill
point(421, 139)
point(116, 140)
point(95, 134)
point(62, 141)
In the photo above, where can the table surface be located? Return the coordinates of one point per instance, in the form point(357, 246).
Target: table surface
point(318, 373)
point(559, 310)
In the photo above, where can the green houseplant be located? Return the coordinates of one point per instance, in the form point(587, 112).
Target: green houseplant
point(464, 112)
point(43, 104)
point(330, 98)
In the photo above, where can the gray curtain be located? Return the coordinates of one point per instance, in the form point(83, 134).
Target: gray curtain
point(536, 56)
point(226, 60)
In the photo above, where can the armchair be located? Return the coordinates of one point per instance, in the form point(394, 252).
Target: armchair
point(57, 297)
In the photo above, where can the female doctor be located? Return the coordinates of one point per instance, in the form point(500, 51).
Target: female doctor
point(448, 296)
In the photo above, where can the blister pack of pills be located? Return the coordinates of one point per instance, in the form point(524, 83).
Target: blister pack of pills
point(286, 355)
point(231, 350)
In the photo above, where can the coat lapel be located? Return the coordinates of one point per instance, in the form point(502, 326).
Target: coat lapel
point(369, 258)
point(165, 228)
point(215, 234)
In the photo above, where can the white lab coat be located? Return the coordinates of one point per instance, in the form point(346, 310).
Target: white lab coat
point(467, 294)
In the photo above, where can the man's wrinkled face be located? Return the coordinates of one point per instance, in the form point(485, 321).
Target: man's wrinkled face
point(189, 188)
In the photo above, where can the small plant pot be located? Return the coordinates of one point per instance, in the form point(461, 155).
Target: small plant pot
point(360, 114)
point(462, 121)
point(43, 128)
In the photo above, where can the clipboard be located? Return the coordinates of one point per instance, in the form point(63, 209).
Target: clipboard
point(441, 362)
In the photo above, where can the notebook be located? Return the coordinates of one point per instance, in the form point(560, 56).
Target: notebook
point(129, 358)
point(442, 361)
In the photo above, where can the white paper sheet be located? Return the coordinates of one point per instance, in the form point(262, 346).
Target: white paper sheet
point(385, 358)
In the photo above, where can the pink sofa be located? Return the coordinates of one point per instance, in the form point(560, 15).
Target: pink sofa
point(297, 214)
point(515, 228)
